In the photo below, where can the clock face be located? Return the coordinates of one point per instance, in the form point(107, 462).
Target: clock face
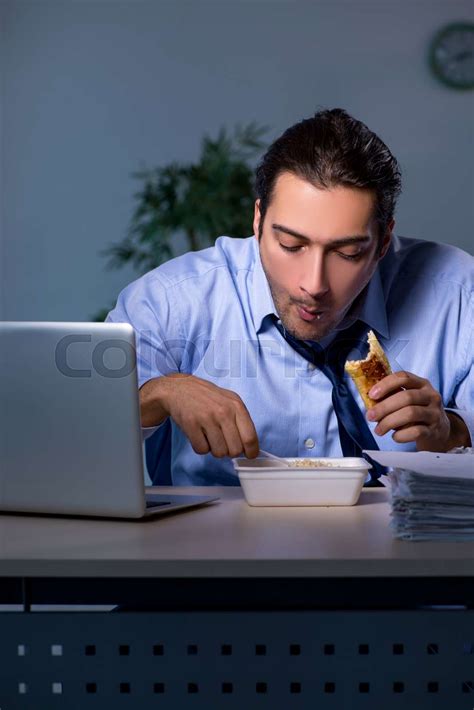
point(452, 55)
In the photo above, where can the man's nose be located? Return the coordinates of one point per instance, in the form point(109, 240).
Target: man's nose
point(315, 280)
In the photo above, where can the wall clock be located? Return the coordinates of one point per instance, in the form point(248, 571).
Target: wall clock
point(451, 55)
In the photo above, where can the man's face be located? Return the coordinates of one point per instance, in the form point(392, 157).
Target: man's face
point(319, 249)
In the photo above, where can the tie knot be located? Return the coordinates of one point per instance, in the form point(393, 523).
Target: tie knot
point(330, 360)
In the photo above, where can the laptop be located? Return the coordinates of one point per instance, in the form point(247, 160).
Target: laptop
point(70, 435)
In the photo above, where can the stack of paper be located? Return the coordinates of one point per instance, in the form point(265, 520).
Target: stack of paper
point(432, 495)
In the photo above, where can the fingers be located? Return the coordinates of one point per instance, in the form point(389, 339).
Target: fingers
point(396, 402)
point(198, 441)
point(415, 413)
point(394, 382)
point(248, 434)
point(217, 442)
point(215, 420)
point(238, 428)
point(407, 416)
point(410, 433)
point(233, 437)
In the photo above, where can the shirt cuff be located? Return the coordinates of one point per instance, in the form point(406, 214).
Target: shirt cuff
point(148, 431)
point(468, 419)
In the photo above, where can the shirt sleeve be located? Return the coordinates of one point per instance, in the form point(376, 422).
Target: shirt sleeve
point(147, 431)
point(463, 400)
point(148, 306)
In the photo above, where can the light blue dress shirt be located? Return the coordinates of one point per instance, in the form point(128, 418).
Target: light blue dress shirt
point(208, 314)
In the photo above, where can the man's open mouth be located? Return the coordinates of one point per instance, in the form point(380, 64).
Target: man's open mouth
point(309, 315)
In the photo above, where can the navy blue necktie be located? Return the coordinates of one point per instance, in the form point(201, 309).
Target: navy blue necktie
point(354, 432)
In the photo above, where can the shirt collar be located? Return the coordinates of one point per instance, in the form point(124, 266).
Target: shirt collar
point(368, 307)
point(262, 300)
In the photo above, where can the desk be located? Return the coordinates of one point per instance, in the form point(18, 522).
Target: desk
point(236, 607)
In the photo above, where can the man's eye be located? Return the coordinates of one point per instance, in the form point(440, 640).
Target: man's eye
point(290, 249)
point(350, 257)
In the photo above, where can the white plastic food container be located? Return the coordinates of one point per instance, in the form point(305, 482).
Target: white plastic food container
point(321, 481)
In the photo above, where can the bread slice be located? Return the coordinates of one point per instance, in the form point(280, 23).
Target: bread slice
point(366, 373)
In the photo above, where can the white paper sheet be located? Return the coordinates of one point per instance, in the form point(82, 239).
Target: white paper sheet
point(456, 465)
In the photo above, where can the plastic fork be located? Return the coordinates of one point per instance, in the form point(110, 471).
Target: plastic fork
point(268, 455)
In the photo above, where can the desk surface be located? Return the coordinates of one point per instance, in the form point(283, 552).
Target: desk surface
point(228, 539)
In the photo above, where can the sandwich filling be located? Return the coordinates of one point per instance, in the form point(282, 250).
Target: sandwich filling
point(366, 373)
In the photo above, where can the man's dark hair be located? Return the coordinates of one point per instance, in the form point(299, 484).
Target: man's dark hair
point(328, 150)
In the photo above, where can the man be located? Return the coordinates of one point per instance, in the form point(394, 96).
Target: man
point(219, 331)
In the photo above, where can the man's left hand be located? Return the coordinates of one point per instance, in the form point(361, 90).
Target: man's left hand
point(411, 406)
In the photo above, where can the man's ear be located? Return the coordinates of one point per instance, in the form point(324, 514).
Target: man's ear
point(387, 239)
point(256, 219)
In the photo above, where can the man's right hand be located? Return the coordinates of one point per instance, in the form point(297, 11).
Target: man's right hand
point(214, 419)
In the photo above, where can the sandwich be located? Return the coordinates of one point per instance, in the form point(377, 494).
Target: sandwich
point(366, 373)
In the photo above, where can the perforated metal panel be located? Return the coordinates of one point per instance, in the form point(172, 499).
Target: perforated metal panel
point(238, 660)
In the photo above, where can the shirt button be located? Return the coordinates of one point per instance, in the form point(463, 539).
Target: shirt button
point(311, 366)
point(309, 443)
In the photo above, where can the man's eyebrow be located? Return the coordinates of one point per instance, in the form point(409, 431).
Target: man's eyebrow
point(355, 239)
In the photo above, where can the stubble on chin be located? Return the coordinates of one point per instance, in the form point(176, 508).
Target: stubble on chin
point(312, 331)
point(286, 310)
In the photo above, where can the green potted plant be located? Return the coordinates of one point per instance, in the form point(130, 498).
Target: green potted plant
point(201, 201)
